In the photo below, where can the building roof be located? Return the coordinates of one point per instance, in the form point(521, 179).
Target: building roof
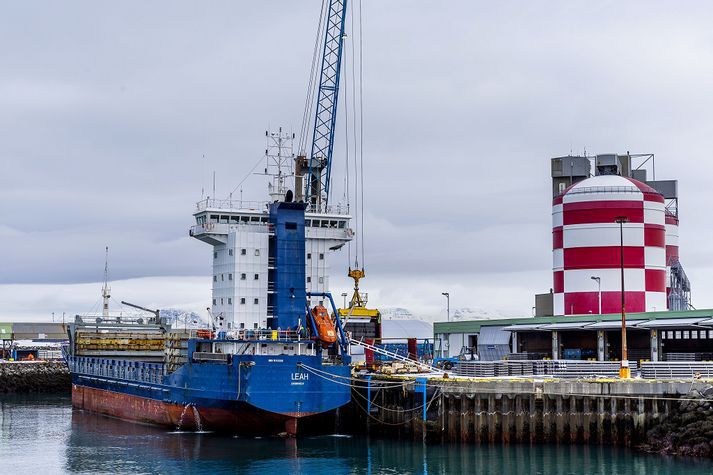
point(403, 329)
point(473, 326)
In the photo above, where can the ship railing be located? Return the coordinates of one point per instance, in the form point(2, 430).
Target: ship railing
point(136, 371)
point(246, 335)
point(230, 204)
point(266, 335)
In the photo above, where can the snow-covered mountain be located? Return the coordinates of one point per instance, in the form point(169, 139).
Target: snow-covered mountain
point(457, 314)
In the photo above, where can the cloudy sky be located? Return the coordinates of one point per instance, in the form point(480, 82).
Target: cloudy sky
point(113, 116)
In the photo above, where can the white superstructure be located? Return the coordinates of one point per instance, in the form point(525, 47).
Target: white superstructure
point(239, 232)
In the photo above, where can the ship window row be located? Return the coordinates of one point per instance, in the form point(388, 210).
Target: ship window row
point(243, 252)
point(325, 223)
point(230, 277)
point(321, 255)
point(228, 219)
point(222, 300)
point(321, 280)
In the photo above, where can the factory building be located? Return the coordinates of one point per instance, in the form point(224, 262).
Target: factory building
point(613, 231)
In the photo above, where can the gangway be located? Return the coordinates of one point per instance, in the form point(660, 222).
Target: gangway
point(396, 356)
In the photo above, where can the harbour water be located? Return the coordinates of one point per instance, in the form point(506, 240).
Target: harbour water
point(43, 435)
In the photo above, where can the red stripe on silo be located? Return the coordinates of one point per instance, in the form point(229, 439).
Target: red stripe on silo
point(581, 302)
point(671, 219)
point(557, 240)
point(602, 212)
point(635, 302)
point(654, 235)
point(558, 282)
point(585, 302)
point(603, 257)
point(650, 194)
point(655, 280)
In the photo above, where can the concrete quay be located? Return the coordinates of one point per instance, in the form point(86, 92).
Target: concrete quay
point(520, 410)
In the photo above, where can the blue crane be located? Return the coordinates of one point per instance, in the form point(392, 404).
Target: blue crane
point(319, 163)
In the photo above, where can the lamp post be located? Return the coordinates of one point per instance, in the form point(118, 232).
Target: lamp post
point(448, 305)
point(344, 296)
point(624, 371)
point(599, 291)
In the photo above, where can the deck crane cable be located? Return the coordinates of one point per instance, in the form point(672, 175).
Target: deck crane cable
point(361, 131)
point(356, 125)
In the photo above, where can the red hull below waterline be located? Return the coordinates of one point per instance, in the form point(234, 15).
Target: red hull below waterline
point(239, 418)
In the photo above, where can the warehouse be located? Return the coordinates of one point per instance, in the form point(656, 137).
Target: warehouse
point(651, 336)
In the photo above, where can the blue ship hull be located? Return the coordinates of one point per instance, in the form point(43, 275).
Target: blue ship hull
point(256, 395)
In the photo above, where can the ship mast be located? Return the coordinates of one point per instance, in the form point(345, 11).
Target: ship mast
point(106, 290)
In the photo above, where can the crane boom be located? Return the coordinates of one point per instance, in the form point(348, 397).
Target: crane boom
point(319, 163)
point(157, 313)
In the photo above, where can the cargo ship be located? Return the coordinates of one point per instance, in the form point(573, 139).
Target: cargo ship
point(247, 380)
point(275, 357)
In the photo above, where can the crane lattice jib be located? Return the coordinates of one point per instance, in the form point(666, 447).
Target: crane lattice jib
point(320, 160)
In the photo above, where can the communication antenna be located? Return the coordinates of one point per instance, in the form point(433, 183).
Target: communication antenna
point(280, 159)
point(106, 290)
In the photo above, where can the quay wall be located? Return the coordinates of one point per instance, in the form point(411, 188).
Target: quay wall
point(35, 376)
point(608, 412)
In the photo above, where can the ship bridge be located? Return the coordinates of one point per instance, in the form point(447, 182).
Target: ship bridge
point(239, 232)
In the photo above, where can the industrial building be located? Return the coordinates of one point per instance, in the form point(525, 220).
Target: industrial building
point(614, 243)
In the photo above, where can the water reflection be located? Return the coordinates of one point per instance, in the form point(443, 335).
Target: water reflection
point(46, 436)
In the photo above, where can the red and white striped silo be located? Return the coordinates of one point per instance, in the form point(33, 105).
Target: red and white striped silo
point(586, 247)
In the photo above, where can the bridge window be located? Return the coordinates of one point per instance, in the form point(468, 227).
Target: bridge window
point(222, 277)
point(342, 224)
point(230, 301)
point(309, 255)
point(230, 252)
point(213, 301)
point(321, 256)
point(256, 301)
point(215, 278)
point(308, 223)
point(225, 219)
point(309, 279)
point(243, 276)
point(214, 218)
point(230, 276)
point(215, 254)
point(257, 276)
point(242, 301)
point(257, 252)
point(243, 252)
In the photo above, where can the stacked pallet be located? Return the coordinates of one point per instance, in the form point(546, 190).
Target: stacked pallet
point(676, 370)
point(146, 343)
point(175, 350)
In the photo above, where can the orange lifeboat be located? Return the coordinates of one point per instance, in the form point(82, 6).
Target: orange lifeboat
point(325, 327)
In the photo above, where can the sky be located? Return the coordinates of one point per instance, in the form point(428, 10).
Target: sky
point(114, 116)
